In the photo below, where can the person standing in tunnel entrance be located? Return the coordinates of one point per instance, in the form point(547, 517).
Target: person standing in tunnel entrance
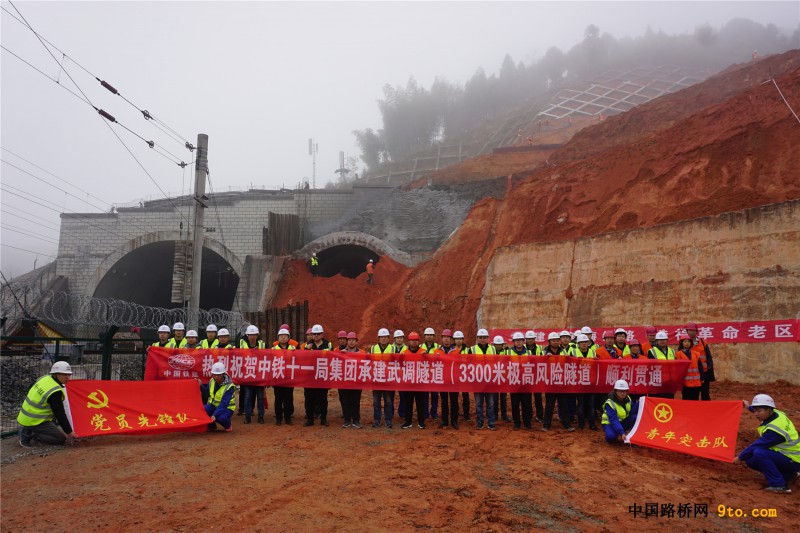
point(371, 272)
point(313, 264)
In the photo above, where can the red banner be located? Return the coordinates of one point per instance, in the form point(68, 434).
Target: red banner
point(135, 407)
point(712, 332)
point(441, 373)
point(705, 429)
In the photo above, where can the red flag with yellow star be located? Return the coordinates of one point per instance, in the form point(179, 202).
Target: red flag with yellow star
point(135, 407)
point(705, 429)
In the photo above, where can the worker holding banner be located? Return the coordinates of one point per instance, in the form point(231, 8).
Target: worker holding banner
point(619, 413)
point(45, 402)
point(221, 400)
point(776, 454)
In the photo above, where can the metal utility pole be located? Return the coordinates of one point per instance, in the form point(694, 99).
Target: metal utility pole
point(200, 175)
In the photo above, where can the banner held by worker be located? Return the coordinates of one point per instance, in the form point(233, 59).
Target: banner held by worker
point(704, 429)
point(135, 407)
point(420, 372)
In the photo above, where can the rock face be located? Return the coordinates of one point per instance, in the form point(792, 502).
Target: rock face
point(736, 266)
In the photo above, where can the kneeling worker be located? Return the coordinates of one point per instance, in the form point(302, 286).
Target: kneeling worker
point(221, 398)
point(44, 402)
point(619, 413)
point(776, 454)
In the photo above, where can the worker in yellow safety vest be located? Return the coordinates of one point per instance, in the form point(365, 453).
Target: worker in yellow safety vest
point(163, 336)
point(45, 402)
point(385, 397)
point(619, 413)
point(253, 394)
point(179, 336)
point(221, 398)
point(211, 340)
point(776, 454)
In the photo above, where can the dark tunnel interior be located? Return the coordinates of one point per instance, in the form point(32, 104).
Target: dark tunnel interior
point(348, 260)
point(144, 276)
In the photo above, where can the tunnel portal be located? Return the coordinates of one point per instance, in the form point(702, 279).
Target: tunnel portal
point(348, 260)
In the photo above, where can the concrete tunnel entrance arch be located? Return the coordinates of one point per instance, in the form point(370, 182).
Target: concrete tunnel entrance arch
point(347, 253)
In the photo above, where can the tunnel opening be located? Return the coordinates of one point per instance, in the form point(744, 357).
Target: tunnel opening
point(349, 260)
point(144, 276)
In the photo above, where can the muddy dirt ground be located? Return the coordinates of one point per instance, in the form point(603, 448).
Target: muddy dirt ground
point(268, 478)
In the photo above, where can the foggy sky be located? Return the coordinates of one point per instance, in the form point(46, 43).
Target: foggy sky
point(259, 78)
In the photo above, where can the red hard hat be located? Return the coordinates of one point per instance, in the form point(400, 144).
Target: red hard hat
point(683, 336)
point(691, 325)
point(631, 342)
point(352, 335)
point(650, 330)
point(284, 326)
point(342, 335)
point(413, 336)
point(308, 331)
point(608, 334)
point(447, 333)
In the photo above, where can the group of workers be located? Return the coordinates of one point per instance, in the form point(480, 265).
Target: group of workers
point(776, 453)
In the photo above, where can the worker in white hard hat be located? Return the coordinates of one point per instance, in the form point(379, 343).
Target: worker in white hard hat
point(284, 396)
point(43, 404)
point(535, 349)
point(211, 340)
point(432, 398)
point(586, 400)
point(521, 402)
point(482, 347)
point(619, 413)
point(191, 339)
point(400, 347)
point(382, 400)
point(566, 340)
point(621, 343)
point(776, 453)
point(253, 394)
point(224, 339)
point(163, 336)
point(371, 272)
point(178, 339)
point(460, 347)
point(500, 398)
point(316, 400)
point(291, 340)
point(564, 414)
point(449, 399)
point(221, 398)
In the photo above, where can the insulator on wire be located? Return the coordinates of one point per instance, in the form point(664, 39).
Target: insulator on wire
point(109, 87)
point(151, 144)
point(182, 164)
point(189, 146)
point(106, 116)
point(147, 115)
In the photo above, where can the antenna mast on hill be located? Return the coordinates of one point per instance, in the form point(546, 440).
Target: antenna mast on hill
point(313, 148)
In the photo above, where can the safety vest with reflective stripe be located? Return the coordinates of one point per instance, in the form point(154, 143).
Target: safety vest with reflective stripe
point(377, 349)
point(511, 351)
point(402, 349)
point(536, 350)
point(172, 344)
point(622, 411)
point(214, 343)
point(35, 408)
point(278, 347)
point(314, 261)
point(243, 344)
point(576, 352)
point(215, 394)
point(656, 353)
point(784, 427)
point(490, 350)
point(430, 349)
point(692, 378)
point(157, 343)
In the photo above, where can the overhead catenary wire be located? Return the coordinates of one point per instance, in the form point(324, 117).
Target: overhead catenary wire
point(28, 233)
point(160, 124)
point(26, 250)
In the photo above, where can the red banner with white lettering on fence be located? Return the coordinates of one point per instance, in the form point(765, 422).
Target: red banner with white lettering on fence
point(422, 372)
point(704, 429)
point(712, 332)
point(135, 407)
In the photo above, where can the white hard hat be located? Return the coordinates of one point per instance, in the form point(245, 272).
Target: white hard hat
point(577, 332)
point(586, 330)
point(191, 333)
point(429, 331)
point(530, 334)
point(621, 384)
point(759, 400)
point(517, 336)
point(398, 333)
point(316, 328)
point(179, 326)
point(218, 368)
point(283, 331)
point(383, 332)
point(61, 367)
point(314, 254)
point(498, 339)
point(565, 333)
point(251, 330)
point(583, 338)
point(620, 330)
point(662, 336)
point(483, 333)
point(224, 333)
point(370, 261)
point(458, 335)
point(553, 336)
point(211, 327)
point(163, 329)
